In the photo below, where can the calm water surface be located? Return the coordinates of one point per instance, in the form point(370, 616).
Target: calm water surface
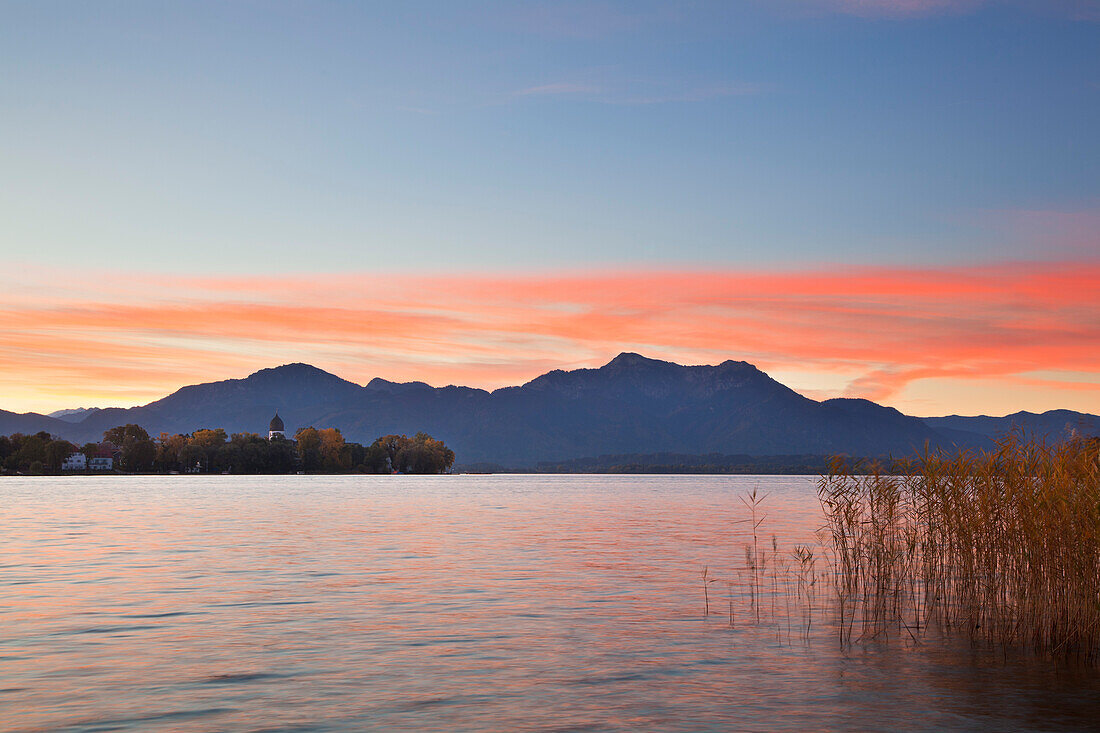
point(563, 603)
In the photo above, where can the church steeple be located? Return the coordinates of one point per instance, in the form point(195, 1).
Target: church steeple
point(276, 428)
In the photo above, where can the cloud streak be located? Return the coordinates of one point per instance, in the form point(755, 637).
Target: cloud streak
point(880, 330)
point(900, 8)
point(1078, 10)
point(557, 88)
point(650, 93)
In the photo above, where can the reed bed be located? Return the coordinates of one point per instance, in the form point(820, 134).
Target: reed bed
point(1002, 547)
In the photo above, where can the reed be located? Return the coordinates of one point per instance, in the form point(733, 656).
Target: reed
point(1002, 546)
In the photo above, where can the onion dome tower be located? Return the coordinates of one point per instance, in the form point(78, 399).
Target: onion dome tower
point(276, 429)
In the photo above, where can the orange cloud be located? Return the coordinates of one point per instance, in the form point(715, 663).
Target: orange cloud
point(127, 338)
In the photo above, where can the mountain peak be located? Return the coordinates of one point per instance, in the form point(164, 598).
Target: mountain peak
point(73, 415)
point(295, 369)
point(632, 359)
point(379, 384)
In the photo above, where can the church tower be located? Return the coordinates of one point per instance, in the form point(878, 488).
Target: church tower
point(276, 429)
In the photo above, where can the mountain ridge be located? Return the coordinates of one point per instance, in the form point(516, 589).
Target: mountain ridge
point(631, 405)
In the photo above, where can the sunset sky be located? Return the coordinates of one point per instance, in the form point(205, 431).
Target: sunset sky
point(894, 200)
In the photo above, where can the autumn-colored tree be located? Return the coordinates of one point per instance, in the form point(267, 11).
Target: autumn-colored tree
point(212, 450)
point(168, 450)
point(209, 438)
point(392, 445)
point(424, 454)
point(309, 448)
point(420, 454)
point(331, 448)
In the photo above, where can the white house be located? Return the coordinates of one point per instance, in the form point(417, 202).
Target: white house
point(75, 462)
point(101, 463)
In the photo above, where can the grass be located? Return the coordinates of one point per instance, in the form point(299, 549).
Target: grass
point(1002, 547)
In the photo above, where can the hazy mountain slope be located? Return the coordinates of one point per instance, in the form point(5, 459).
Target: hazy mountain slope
point(30, 423)
point(73, 415)
point(1052, 425)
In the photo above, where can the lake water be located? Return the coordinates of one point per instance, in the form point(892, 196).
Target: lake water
point(555, 603)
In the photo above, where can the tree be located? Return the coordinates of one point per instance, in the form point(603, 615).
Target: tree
point(227, 457)
point(32, 449)
point(424, 454)
point(119, 435)
point(168, 451)
point(210, 442)
point(209, 438)
point(333, 457)
point(392, 445)
point(139, 455)
point(309, 448)
point(137, 451)
point(279, 456)
point(375, 459)
point(192, 456)
point(56, 453)
point(420, 454)
point(314, 450)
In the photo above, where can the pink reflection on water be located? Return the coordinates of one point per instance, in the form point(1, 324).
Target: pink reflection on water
point(488, 602)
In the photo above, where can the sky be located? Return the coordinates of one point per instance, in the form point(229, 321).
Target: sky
point(892, 200)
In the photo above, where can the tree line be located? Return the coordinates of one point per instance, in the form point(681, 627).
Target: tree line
point(213, 451)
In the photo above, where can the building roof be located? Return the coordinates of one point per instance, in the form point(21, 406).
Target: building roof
point(276, 424)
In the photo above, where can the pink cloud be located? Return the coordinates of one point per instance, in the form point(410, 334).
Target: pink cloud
point(892, 326)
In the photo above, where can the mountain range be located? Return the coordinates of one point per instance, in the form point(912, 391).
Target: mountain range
point(631, 405)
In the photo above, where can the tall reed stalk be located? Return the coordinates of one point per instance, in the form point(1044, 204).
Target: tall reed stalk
point(1001, 546)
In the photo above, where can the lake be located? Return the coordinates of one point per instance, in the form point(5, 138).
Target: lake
point(553, 603)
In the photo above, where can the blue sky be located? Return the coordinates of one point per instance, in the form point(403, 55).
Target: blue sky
point(323, 137)
point(891, 199)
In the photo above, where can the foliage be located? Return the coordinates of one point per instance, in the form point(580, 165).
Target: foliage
point(212, 451)
point(56, 453)
point(421, 454)
point(121, 434)
point(20, 451)
point(136, 452)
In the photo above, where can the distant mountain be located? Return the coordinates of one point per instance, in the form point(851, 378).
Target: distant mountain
point(1053, 425)
point(31, 422)
point(73, 415)
point(632, 405)
point(300, 393)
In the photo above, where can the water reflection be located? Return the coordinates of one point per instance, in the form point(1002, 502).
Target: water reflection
point(488, 602)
